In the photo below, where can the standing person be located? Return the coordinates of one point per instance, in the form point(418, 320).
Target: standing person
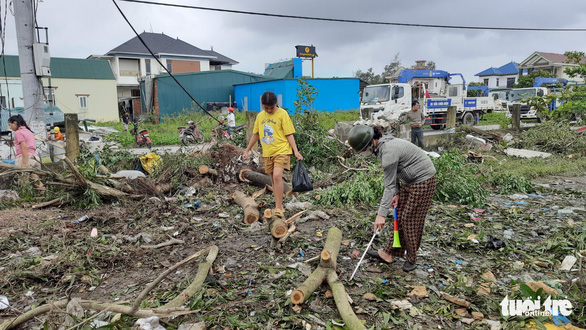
point(417, 119)
point(231, 119)
point(409, 177)
point(126, 121)
point(58, 134)
point(275, 130)
point(26, 147)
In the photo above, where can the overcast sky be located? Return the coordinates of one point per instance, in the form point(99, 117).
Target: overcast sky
point(79, 28)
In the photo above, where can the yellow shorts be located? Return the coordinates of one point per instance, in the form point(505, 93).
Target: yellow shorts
point(282, 161)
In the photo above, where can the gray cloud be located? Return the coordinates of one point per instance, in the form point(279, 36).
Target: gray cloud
point(79, 28)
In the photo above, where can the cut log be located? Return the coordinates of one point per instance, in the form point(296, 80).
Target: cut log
point(203, 169)
point(251, 213)
point(268, 215)
point(327, 271)
point(261, 180)
point(278, 228)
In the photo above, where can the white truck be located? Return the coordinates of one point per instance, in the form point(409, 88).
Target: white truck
point(521, 96)
point(434, 93)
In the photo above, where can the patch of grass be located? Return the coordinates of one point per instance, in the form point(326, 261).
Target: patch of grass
point(165, 132)
point(495, 118)
point(535, 167)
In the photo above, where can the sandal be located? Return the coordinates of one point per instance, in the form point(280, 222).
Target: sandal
point(407, 266)
point(374, 254)
point(279, 213)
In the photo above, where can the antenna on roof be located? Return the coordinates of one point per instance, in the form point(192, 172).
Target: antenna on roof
point(151, 27)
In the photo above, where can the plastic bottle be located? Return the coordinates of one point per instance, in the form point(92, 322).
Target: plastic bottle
point(82, 219)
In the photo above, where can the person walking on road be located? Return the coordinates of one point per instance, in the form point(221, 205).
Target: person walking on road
point(274, 129)
point(417, 119)
point(410, 178)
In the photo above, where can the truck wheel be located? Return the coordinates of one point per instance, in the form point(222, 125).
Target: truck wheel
point(468, 119)
point(436, 127)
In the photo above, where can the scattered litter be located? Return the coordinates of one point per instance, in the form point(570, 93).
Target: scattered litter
point(94, 232)
point(74, 311)
point(4, 302)
point(276, 276)
point(494, 243)
point(130, 174)
point(304, 268)
point(149, 323)
point(508, 234)
point(223, 215)
point(370, 296)
point(568, 263)
point(155, 199)
point(401, 304)
point(256, 226)
point(524, 153)
point(508, 137)
point(433, 154)
point(82, 219)
point(319, 234)
point(298, 205)
point(566, 211)
point(475, 141)
point(518, 196)
point(193, 326)
point(450, 130)
point(9, 195)
point(194, 205)
point(479, 211)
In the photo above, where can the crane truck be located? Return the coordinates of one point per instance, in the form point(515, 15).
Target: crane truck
point(434, 92)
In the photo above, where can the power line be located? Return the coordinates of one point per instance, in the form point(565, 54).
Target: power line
point(339, 20)
point(161, 64)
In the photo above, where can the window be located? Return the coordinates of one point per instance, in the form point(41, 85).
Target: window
point(486, 82)
point(82, 101)
point(497, 82)
point(170, 66)
point(135, 92)
point(510, 82)
point(147, 65)
point(453, 91)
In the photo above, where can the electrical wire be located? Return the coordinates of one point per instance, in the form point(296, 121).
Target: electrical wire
point(437, 26)
point(161, 64)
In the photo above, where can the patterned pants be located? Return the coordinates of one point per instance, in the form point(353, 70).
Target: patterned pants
point(414, 202)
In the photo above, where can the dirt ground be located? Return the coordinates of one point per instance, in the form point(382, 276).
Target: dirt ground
point(45, 256)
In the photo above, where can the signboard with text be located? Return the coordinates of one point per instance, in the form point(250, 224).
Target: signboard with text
point(305, 51)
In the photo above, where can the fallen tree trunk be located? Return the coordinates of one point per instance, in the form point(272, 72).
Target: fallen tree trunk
point(487, 134)
point(250, 207)
point(327, 271)
point(262, 180)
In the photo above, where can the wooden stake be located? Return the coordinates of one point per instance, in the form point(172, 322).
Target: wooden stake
point(72, 131)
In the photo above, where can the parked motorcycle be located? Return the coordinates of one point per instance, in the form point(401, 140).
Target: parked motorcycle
point(141, 137)
point(190, 134)
point(221, 131)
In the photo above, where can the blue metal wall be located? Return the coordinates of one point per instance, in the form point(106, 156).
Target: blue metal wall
point(332, 94)
point(208, 86)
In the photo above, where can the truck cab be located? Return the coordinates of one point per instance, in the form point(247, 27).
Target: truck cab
point(388, 100)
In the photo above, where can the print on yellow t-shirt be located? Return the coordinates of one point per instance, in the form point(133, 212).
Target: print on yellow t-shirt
point(272, 131)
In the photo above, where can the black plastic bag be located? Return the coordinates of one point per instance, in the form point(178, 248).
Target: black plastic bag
point(301, 181)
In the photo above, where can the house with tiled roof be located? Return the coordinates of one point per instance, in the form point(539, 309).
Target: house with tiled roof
point(502, 77)
point(551, 62)
point(132, 63)
point(83, 86)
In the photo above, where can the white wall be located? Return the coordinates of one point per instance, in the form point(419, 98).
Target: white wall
point(492, 80)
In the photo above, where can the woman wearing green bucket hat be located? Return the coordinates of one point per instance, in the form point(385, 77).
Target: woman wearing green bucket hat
point(409, 177)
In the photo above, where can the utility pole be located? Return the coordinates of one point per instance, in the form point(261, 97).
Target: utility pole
point(34, 112)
